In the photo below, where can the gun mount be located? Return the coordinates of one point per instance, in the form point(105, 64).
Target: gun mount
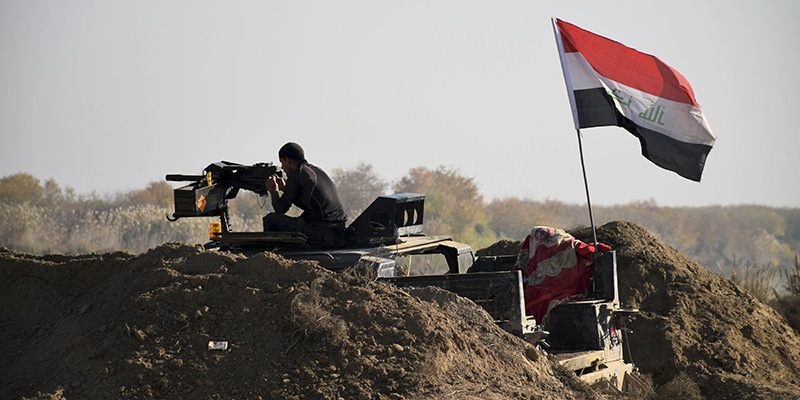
point(208, 194)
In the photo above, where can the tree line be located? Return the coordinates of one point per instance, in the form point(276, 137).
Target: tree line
point(41, 217)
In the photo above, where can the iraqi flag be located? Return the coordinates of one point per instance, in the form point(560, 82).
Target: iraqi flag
point(611, 84)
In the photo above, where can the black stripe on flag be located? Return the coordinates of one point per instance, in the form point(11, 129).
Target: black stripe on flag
point(596, 108)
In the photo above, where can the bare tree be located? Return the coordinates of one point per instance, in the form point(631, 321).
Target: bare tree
point(358, 187)
point(157, 193)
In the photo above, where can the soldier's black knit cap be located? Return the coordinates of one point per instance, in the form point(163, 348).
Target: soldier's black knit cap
point(292, 150)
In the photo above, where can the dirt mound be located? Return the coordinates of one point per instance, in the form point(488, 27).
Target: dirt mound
point(699, 323)
point(118, 325)
point(695, 326)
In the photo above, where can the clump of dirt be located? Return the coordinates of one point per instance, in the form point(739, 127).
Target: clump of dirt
point(119, 325)
point(500, 248)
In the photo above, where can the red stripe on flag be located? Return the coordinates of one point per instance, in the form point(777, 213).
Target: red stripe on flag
point(627, 66)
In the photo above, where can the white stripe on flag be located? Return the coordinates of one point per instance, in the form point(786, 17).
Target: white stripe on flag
point(581, 74)
point(680, 121)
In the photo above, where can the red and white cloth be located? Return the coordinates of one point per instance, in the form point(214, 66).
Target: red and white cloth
point(555, 266)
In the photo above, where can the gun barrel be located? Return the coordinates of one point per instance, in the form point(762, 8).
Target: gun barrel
point(184, 178)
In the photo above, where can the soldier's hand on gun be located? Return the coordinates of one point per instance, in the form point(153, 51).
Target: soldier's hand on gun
point(275, 183)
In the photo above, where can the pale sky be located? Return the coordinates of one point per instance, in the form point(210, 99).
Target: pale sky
point(108, 96)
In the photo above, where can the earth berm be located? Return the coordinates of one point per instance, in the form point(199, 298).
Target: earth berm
point(119, 325)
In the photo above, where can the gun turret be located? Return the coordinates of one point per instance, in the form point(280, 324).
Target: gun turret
point(208, 194)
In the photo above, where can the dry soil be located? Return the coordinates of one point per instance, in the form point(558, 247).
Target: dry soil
point(119, 325)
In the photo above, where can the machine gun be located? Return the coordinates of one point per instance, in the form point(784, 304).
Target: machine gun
point(208, 194)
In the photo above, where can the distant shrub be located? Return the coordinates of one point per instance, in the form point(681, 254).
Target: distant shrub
point(70, 230)
point(757, 279)
point(788, 305)
point(792, 277)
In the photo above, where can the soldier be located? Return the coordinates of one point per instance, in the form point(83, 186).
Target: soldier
point(309, 188)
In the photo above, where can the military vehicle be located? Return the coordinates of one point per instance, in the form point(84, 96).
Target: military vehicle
point(585, 336)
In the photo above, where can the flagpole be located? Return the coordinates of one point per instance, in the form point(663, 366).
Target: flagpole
point(586, 185)
point(571, 96)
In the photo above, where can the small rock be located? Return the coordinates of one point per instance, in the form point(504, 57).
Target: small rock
point(175, 364)
point(532, 354)
point(140, 335)
point(159, 352)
